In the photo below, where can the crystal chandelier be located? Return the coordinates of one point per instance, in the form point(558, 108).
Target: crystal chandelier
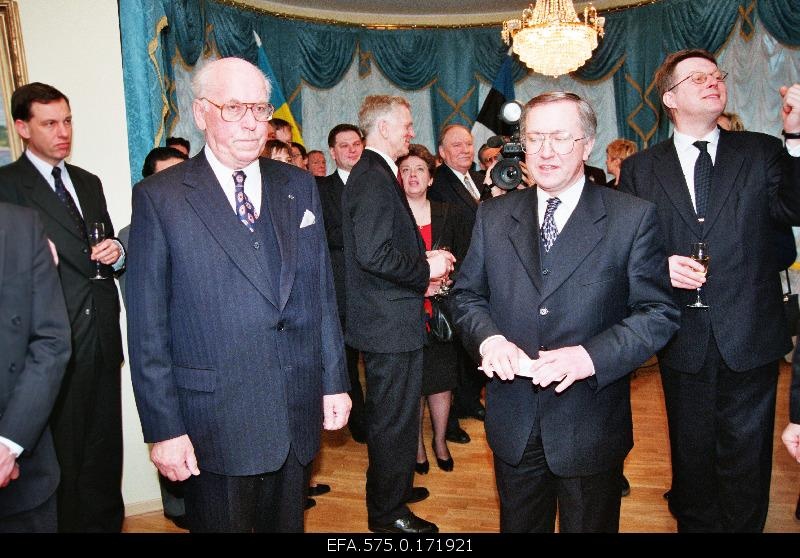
point(550, 39)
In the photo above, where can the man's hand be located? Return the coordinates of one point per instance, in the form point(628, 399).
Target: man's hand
point(566, 365)
point(441, 263)
point(336, 410)
point(501, 357)
point(790, 109)
point(175, 458)
point(107, 252)
point(791, 439)
point(685, 273)
point(9, 470)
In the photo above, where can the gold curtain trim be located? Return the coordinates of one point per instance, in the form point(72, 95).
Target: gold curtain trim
point(456, 106)
point(645, 136)
point(152, 47)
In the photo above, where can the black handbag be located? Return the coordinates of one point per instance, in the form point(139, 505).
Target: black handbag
point(791, 306)
point(441, 329)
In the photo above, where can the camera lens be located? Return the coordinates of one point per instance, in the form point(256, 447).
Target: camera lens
point(507, 174)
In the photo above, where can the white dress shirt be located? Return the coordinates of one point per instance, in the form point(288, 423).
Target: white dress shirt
point(46, 170)
point(688, 153)
point(252, 181)
point(343, 174)
point(472, 189)
point(386, 158)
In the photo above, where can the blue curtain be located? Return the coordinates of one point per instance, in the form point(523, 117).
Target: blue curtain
point(449, 61)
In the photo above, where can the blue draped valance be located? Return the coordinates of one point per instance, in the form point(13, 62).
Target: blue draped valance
point(157, 34)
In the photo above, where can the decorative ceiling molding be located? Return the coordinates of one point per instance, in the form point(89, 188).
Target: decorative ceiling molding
point(412, 13)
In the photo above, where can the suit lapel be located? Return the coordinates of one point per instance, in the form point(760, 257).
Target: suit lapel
point(44, 198)
point(670, 177)
point(2, 258)
point(523, 234)
point(206, 197)
point(282, 207)
point(459, 187)
point(90, 210)
point(727, 165)
point(580, 236)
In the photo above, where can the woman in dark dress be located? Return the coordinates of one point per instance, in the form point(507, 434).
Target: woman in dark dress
point(442, 227)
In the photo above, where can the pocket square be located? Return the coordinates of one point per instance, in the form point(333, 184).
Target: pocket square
point(308, 219)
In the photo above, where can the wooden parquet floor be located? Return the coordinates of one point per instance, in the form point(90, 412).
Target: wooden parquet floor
point(465, 500)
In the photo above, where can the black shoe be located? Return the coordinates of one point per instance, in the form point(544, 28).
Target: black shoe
point(797, 509)
point(668, 494)
point(408, 524)
point(310, 503)
point(626, 486)
point(422, 468)
point(457, 436)
point(178, 520)
point(476, 411)
point(418, 494)
point(444, 464)
point(319, 489)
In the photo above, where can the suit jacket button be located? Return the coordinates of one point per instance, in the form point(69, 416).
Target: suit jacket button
point(13, 367)
point(281, 326)
point(545, 272)
point(543, 311)
point(16, 320)
point(542, 348)
point(256, 245)
point(87, 312)
point(85, 250)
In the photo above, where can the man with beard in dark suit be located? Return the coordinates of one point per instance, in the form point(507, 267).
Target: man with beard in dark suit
point(34, 350)
point(346, 144)
point(572, 275)
point(87, 417)
point(720, 372)
point(387, 275)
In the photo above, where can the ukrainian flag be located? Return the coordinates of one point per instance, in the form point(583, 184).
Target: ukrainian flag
point(282, 109)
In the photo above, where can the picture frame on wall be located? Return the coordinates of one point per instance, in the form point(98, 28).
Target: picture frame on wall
point(13, 73)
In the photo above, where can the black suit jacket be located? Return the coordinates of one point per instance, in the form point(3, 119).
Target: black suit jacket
point(386, 269)
point(448, 188)
point(34, 350)
point(93, 306)
point(755, 184)
point(331, 188)
point(607, 289)
point(449, 228)
point(217, 352)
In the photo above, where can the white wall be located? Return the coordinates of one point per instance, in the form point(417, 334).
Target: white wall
point(74, 45)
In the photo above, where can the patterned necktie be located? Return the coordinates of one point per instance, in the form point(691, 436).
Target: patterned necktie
point(473, 191)
point(244, 209)
point(549, 229)
point(702, 179)
point(69, 202)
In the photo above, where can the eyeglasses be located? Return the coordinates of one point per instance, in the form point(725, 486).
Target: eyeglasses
point(561, 143)
point(234, 112)
point(699, 78)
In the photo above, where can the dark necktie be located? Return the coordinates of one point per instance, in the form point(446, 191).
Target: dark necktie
point(69, 202)
point(702, 179)
point(244, 209)
point(549, 229)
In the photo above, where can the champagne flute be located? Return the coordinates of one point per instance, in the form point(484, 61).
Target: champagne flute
point(444, 288)
point(97, 233)
point(700, 255)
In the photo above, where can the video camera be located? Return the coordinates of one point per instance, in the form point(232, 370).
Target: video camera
point(507, 174)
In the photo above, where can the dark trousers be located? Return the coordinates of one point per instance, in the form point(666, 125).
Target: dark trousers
point(356, 421)
point(720, 427)
point(171, 496)
point(87, 434)
point(467, 394)
point(41, 519)
point(266, 503)
point(530, 493)
point(394, 387)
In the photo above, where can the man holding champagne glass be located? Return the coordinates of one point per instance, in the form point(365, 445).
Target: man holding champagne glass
point(720, 371)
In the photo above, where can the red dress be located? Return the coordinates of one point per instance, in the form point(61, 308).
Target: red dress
point(426, 231)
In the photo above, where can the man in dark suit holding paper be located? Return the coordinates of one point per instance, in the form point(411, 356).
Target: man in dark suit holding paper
point(569, 274)
point(237, 357)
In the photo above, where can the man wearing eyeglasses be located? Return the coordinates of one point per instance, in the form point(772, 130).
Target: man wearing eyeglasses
point(574, 276)
point(720, 371)
point(236, 349)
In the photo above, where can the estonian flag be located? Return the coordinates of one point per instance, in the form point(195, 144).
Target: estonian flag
point(488, 123)
point(277, 99)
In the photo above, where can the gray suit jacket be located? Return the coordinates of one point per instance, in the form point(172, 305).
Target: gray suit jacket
point(215, 352)
point(607, 289)
point(34, 350)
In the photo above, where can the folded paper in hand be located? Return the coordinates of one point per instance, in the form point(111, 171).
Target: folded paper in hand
point(308, 219)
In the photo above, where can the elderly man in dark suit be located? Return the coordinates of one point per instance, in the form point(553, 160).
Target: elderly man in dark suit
point(237, 356)
point(346, 145)
point(34, 350)
point(87, 418)
point(387, 275)
point(572, 275)
point(729, 190)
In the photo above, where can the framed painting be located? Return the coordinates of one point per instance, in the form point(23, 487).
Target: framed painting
point(13, 73)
